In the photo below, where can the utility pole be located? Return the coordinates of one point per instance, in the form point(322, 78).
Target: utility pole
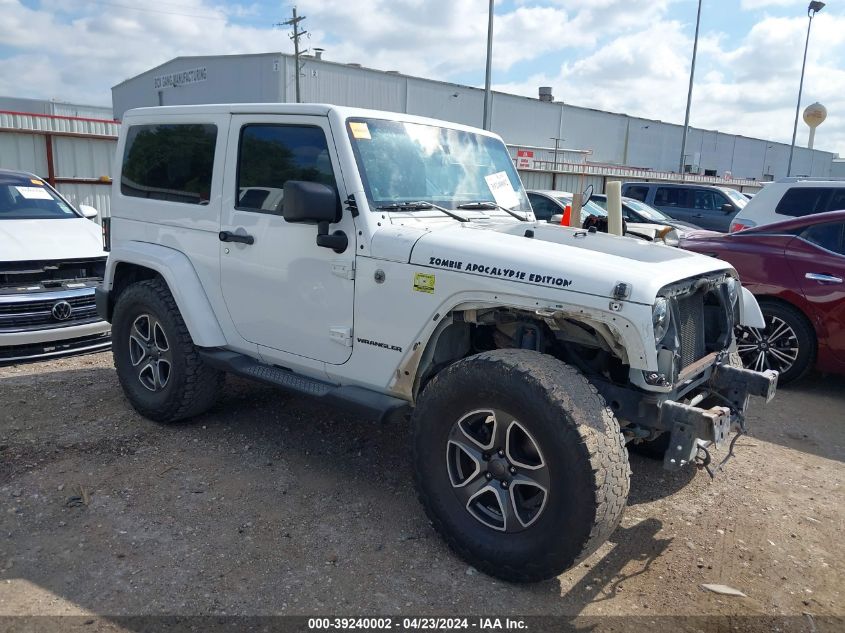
point(488, 95)
point(689, 93)
point(294, 22)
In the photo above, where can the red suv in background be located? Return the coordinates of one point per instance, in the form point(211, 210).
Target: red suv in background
point(796, 269)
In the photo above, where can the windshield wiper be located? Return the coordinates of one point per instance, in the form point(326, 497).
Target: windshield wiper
point(418, 206)
point(489, 204)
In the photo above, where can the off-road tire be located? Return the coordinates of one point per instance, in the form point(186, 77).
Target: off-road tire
point(192, 387)
point(576, 432)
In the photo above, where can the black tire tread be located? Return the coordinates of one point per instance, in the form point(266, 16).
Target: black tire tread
point(596, 429)
point(202, 383)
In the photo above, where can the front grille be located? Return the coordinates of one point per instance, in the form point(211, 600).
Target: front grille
point(691, 327)
point(35, 351)
point(37, 314)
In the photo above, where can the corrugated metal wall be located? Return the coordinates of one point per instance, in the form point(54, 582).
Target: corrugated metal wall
point(81, 150)
point(23, 151)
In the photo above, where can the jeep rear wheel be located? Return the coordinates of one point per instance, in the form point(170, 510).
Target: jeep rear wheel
point(157, 364)
point(519, 463)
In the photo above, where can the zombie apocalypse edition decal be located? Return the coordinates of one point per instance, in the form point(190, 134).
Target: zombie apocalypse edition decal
point(502, 273)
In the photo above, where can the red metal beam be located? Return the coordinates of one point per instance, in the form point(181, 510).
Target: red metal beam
point(60, 116)
point(102, 137)
point(51, 170)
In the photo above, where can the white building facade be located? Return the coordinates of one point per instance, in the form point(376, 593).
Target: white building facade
point(598, 137)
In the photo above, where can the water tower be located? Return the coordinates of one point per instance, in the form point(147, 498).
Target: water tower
point(814, 116)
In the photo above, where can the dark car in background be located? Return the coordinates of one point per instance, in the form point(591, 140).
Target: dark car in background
point(635, 211)
point(796, 270)
point(705, 206)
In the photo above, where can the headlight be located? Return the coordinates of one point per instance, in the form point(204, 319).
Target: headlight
point(660, 318)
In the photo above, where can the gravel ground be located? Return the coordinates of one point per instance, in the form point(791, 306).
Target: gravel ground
point(274, 504)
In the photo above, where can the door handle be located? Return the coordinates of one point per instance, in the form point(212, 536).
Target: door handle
point(228, 236)
point(830, 279)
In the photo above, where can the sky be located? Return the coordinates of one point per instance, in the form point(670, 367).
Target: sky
point(629, 56)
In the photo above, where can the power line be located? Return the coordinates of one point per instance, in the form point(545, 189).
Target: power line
point(145, 10)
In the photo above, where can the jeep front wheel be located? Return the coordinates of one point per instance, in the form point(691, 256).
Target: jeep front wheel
point(519, 463)
point(157, 364)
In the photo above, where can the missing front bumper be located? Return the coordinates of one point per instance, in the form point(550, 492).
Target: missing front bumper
point(693, 427)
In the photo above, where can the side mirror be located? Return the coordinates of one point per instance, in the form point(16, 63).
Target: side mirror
point(315, 202)
point(728, 208)
point(88, 211)
point(586, 195)
point(309, 202)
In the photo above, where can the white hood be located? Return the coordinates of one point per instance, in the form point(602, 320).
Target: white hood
point(60, 239)
point(560, 257)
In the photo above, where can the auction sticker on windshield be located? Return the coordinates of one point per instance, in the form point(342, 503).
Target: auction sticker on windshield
point(34, 193)
point(502, 190)
point(360, 129)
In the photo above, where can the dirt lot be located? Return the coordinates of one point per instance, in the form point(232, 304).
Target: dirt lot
point(273, 504)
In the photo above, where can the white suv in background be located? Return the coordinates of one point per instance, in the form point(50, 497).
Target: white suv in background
point(51, 258)
point(791, 198)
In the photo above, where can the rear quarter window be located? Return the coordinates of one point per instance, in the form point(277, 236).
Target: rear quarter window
point(169, 162)
point(801, 201)
point(638, 192)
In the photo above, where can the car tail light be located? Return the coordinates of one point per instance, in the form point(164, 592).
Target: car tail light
point(106, 226)
point(739, 226)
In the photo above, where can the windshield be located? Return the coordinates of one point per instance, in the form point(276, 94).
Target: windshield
point(646, 211)
point(736, 197)
point(591, 208)
point(30, 199)
point(410, 162)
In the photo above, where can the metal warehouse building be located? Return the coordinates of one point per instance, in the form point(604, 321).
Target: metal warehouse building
point(608, 145)
point(70, 146)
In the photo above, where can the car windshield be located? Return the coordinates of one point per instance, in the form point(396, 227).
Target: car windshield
point(646, 211)
point(736, 197)
point(29, 199)
point(591, 208)
point(404, 162)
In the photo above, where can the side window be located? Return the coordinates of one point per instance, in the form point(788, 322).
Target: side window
point(638, 192)
point(828, 236)
point(270, 155)
point(837, 200)
point(801, 201)
point(544, 208)
point(672, 197)
point(626, 214)
point(169, 162)
point(704, 199)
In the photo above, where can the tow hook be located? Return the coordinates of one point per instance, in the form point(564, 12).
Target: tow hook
point(689, 425)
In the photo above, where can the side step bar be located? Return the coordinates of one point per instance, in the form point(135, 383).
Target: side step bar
point(358, 400)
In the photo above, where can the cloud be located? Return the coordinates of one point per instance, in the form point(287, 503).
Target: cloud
point(628, 56)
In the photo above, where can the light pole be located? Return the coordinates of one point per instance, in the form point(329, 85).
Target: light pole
point(765, 156)
point(812, 9)
point(689, 93)
point(487, 94)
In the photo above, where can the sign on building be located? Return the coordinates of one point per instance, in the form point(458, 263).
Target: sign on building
point(181, 78)
point(524, 158)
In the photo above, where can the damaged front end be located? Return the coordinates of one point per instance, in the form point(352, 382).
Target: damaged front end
point(698, 396)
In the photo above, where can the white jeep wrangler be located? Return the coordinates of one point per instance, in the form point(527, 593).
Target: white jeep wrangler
point(392, 264)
